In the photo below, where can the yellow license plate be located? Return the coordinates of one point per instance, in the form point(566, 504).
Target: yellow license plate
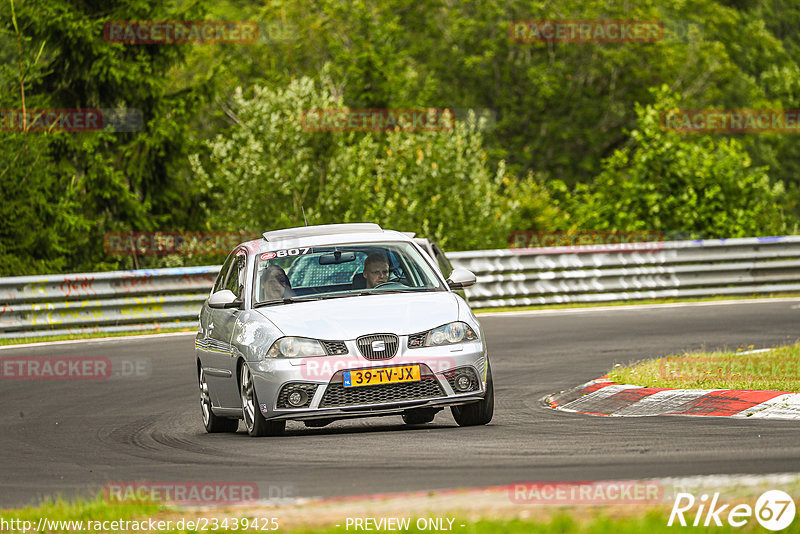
point(387, 375)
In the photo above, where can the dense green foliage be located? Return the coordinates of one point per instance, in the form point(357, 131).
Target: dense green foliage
point(437, 183)
point(62, 191)
point(661, 182)
point(575, 143)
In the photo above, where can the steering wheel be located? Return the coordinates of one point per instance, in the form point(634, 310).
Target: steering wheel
point(394, 282)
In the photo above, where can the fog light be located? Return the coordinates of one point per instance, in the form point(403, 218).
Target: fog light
point(463, 383)
point(297, 398)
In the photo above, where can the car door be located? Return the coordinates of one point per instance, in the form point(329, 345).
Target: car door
point(205, 343)
point(221, 369)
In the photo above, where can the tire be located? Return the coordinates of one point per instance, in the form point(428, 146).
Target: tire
point(419, 417)
point(213, 423)
point(477, 413)
point(254, 422)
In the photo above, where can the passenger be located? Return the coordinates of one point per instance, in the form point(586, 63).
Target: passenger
point(275, 284)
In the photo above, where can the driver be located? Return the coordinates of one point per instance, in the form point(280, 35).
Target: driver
point(376, 269)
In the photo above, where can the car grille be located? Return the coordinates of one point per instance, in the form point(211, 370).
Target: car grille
point(335, 348)
point(283, 396)
point(417, 340)
point(364, 344)
point(338, 395)
point(474, 385)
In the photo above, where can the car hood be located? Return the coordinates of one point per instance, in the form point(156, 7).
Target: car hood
point(351, 317)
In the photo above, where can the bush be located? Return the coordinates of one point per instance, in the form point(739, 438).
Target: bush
point(267, 167)
point(698, 185)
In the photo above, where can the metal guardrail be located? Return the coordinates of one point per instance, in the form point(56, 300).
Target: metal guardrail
point(148, 299)
point(168, 298)
point(594, 273)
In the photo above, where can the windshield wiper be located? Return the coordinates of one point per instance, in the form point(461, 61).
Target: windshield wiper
point(285, 300)
point(290, 300)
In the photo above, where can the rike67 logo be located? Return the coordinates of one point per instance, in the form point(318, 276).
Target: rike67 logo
point(774, 510)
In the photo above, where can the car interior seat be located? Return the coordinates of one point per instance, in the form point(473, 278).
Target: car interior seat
point(359, 282)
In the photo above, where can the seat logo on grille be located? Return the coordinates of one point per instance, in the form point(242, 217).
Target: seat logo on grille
point(378, 346)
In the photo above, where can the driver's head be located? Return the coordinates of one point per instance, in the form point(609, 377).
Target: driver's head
point(376, 270)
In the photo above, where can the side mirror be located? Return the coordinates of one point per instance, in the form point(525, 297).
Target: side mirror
point(461, 278)
point(224, 299)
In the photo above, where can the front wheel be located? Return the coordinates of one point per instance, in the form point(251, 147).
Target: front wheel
point(477, 413)
point(253, 420)
point(213, 423)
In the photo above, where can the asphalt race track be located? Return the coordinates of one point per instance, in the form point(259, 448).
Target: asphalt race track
point(73, 437)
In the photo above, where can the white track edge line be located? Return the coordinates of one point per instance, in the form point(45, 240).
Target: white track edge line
point(523, 313)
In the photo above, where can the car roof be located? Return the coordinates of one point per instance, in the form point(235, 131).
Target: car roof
point(322, 229)
point(321, 235)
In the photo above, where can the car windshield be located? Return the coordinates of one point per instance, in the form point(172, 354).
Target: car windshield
point(334, 271)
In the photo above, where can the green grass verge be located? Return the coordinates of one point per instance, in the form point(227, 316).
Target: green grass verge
point(479, 311)
point(92, 335)
point(84, 509)
point(776, 370)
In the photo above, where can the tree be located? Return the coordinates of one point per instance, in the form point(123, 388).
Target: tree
point(267, 167)
point(702, 185)
point(87, 183)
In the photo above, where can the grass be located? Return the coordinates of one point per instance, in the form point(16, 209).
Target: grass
point(775, 370)
point(92, 335)
point(479, 311)
point(84, 509)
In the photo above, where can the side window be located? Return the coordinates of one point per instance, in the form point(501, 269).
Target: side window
point(235, 277)
point(219, 285)
point(444, 264)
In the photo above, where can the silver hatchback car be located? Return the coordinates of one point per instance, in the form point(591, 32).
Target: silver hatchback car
point(320, 323)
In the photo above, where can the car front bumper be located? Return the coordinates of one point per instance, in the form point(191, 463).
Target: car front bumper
point(327, 398)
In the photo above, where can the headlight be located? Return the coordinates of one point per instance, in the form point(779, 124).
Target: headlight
point(296, 347)
point(449, 334)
